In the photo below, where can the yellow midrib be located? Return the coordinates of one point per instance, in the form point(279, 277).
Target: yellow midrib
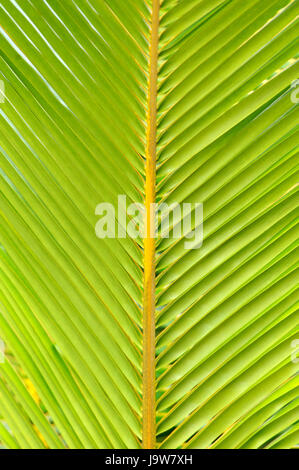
point(148, 402)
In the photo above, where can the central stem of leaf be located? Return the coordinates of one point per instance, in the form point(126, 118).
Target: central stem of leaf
point(149, 405)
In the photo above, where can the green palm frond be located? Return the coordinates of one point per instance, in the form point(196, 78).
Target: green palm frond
point(127, 342)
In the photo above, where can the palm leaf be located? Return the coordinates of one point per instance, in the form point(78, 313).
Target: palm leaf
point(126, 342)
